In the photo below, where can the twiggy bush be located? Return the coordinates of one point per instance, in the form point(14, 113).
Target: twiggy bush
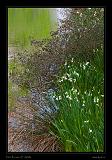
point(79, 34)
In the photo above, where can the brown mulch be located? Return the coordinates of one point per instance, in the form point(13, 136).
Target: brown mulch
point(21, 137)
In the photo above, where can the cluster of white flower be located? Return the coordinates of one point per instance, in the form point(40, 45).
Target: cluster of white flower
point(74, 90)
point(84, 65)
point(64, 77)
point(76, 99)
point(69, 97)
point(68, 77)
point(60, 80)
point(58, 98)
point(86, 121)
point(96, 99)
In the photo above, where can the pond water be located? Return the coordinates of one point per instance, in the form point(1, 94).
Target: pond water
point(26, 24)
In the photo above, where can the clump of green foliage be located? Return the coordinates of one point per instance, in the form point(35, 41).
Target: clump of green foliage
point(79, 123)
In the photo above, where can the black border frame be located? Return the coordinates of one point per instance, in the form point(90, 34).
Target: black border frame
point(4, 46)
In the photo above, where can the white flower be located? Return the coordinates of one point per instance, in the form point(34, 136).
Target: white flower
point(85, 92)
point(83, 101)
point(65, 63)
point(66, 92)
point(83, 105)
point(94, 99)
point(77, 12)
point(64, 77)
point(68, 66)
point(95, 13)
point(77, 74)
point(81, 15)
point(87, 63)
point(74, 80)
point(59, 98)
point(84, 67)
point(98, 19)
point(90, 130)
point(89, 8)
point(80, 65)
point(102, 95)
point(56, 98)
point(93, 50)
point(72, 60)
point(70, 98)
point(97, 100)
point(70, 79)
point(68, 75)
point(86, 121)
point(77, 100)
point(75, 90)
point(27, 70)
point(53, 96)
